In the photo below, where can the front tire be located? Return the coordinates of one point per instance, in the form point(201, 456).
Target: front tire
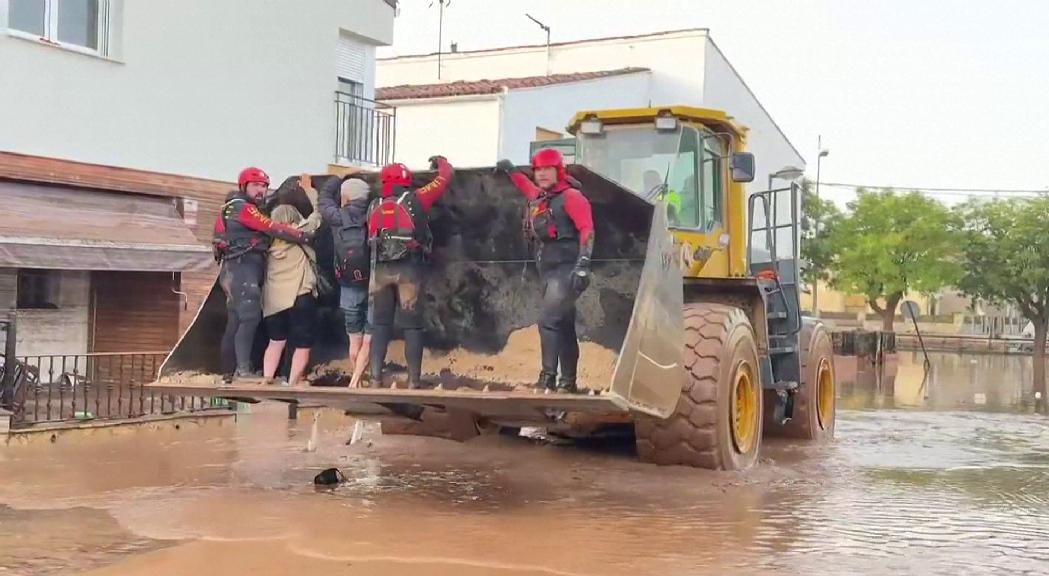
point(718, 418)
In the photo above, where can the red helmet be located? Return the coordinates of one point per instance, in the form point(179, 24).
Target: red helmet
point(394, 175)
point(550, 158)
point(252, 174)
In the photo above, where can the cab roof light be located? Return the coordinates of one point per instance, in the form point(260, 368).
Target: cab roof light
point(591, 126)
point(666, 122)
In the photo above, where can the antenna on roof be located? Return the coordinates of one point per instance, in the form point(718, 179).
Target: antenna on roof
point(440, 31)
point(547, 29)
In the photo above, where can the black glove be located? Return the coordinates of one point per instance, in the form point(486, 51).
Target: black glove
point(505, 166)
point(581, 275)
point(580, 280)
point(435, 161)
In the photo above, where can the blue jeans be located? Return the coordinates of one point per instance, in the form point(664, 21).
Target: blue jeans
point(354, 303)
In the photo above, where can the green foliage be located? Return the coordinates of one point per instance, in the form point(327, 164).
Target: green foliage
point(1005, 249)
point(891, 243)
point(816, 248)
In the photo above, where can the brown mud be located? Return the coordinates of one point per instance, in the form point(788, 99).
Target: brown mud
point(516, 365)
point(898, 492)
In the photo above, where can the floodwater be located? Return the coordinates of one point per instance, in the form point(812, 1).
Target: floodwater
point(944, 485)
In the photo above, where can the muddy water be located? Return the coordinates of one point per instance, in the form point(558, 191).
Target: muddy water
point(983, 382)
point(902, 491)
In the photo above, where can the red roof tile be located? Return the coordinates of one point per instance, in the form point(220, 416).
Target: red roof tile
point(470, 87)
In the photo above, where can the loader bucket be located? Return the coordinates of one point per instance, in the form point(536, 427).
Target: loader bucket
point(482, 297)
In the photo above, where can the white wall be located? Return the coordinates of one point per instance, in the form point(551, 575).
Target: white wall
point(465, 130)
point(552, 107)
point(725, 90)
point(195, 87)
point(63, 330)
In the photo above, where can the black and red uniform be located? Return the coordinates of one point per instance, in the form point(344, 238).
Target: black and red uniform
point(561, 221)
point(399, 232)
point(242, 238)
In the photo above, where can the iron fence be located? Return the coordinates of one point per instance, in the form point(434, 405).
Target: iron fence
point(96, 386)
point(364, 130)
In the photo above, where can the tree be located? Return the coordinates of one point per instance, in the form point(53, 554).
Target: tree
point(1005, 252)
point(890, 244)
point(816, 249)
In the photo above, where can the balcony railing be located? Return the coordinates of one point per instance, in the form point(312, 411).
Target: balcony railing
point(365, 131)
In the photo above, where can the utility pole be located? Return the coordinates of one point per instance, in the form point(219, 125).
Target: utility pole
point(547, 30)
point(816, 283)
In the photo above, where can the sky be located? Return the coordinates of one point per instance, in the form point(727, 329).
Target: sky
point(918, 93)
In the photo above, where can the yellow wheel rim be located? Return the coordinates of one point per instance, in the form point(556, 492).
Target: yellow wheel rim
point(744, 408)
point(825, 394)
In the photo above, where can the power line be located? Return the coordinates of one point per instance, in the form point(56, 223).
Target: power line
point(935, 190)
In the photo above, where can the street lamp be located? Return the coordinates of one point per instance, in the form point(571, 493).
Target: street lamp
point(816, 283)
point(786, 173)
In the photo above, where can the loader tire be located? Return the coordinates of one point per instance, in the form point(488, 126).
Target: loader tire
point(451, 424)
point(814, 402)
point(717, 421)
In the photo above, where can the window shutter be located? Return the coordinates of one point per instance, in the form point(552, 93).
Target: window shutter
point(349, 59)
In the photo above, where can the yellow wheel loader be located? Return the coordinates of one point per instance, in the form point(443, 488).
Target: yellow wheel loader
point(691, 336)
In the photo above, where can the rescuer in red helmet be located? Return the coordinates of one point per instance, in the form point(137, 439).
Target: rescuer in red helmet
point(560, 220)
point(399, 234)
point(241, 240)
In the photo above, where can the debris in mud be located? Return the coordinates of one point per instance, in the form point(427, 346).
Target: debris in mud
point(329, 477)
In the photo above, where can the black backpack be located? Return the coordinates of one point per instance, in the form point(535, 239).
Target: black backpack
point(352, 255)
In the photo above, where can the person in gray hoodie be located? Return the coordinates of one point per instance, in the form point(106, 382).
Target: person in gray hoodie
point(343, 205)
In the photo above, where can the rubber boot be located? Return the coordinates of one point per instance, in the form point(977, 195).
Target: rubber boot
point(413, 356)
point(380, 342)
point(547, 380)
point(567, 384)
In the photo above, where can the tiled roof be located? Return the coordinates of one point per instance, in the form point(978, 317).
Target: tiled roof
point(470, 87)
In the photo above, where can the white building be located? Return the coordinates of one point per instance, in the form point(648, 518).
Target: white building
point(538, 89)
point(122, 127)
point(193, 87)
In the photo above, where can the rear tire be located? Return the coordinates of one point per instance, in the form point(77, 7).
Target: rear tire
point(815, 404)
point(717, 421)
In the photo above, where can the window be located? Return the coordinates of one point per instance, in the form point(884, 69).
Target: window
point(38, 289)
point(81, 24)
point(565, 145)
point(636, 157)
point(711, 189)
point(352, 88)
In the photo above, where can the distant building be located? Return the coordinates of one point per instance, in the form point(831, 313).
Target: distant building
point(491, 104)
point(124, 124)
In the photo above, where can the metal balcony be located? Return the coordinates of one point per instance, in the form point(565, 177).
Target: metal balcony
point(365, 131)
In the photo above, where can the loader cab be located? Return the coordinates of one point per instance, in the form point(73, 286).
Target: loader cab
point(690, 158)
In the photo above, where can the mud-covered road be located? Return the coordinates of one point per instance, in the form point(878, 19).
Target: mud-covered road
point(900, 492)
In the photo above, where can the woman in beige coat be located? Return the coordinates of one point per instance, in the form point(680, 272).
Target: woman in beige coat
point(289, 296)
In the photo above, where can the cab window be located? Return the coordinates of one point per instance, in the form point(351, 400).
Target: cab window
point(682, 185)
point(712, 196)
